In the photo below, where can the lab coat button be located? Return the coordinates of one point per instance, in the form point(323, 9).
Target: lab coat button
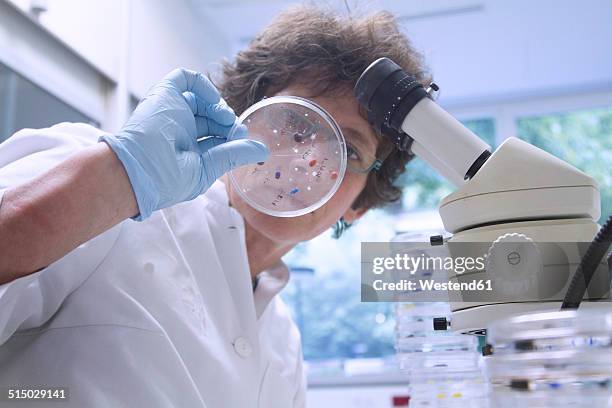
point(242, 347)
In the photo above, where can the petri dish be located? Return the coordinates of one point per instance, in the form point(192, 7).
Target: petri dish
point(552, 355)
point(307, 159)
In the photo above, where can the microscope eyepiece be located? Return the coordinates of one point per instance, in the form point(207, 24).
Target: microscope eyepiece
point(388, 94)
point(400, 108)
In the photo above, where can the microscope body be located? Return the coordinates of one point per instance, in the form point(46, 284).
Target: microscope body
point(533, 214)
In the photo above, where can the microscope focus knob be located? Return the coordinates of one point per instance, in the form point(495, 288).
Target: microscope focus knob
point(514, 264)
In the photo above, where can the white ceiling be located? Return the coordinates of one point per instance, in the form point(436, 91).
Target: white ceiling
point(479, 51)
point(242, 19)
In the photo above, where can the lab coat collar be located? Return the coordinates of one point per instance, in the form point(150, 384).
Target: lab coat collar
point(272, 280)
point(270, 283)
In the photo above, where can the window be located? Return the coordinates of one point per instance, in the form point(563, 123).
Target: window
point(26, 105)
point(326, 304)
point(583, 138)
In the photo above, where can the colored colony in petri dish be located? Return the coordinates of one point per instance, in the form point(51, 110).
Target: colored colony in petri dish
point(307, 160)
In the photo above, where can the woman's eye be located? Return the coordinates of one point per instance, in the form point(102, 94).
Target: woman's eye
point(352, 154)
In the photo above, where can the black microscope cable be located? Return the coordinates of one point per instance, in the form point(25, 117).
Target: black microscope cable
point(587, 267)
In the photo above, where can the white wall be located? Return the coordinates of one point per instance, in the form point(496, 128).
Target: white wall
point(167, 34)
point(162, 35)
point(130, 44)
point(480, 51)
point(29, 50)
point(511, 50)
point(92, 28)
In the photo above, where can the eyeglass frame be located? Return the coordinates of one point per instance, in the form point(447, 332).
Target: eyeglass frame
point(376, 163)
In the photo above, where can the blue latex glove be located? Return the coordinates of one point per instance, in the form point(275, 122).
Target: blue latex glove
point(159, 148)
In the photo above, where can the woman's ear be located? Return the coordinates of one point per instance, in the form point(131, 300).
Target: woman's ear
point(351, 215)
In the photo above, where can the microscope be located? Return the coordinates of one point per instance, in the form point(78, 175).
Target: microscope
point(535, 214)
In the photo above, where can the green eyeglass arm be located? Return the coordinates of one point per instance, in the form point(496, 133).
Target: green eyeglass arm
point(376, 165)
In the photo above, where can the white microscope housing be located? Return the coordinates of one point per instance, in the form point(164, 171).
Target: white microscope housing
point(523, 194)
point(517, 194)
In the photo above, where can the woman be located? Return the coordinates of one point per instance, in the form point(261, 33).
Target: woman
point(179, 309)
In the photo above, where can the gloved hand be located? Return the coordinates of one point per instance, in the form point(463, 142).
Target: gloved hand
point(159, 148)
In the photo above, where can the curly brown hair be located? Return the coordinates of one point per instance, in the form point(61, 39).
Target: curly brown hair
point(310, 45)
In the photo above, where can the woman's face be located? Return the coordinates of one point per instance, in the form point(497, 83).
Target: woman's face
point(356, 130)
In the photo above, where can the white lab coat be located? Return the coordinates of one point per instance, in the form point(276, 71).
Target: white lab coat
point(153, 314)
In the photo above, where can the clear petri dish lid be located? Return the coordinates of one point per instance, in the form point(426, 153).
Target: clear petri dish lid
point(434, 344)
point(307, 159)
point(524, 332)
point(420, 311)
point(551, 350)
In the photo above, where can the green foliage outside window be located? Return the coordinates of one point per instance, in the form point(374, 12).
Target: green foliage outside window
point(582, 138)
